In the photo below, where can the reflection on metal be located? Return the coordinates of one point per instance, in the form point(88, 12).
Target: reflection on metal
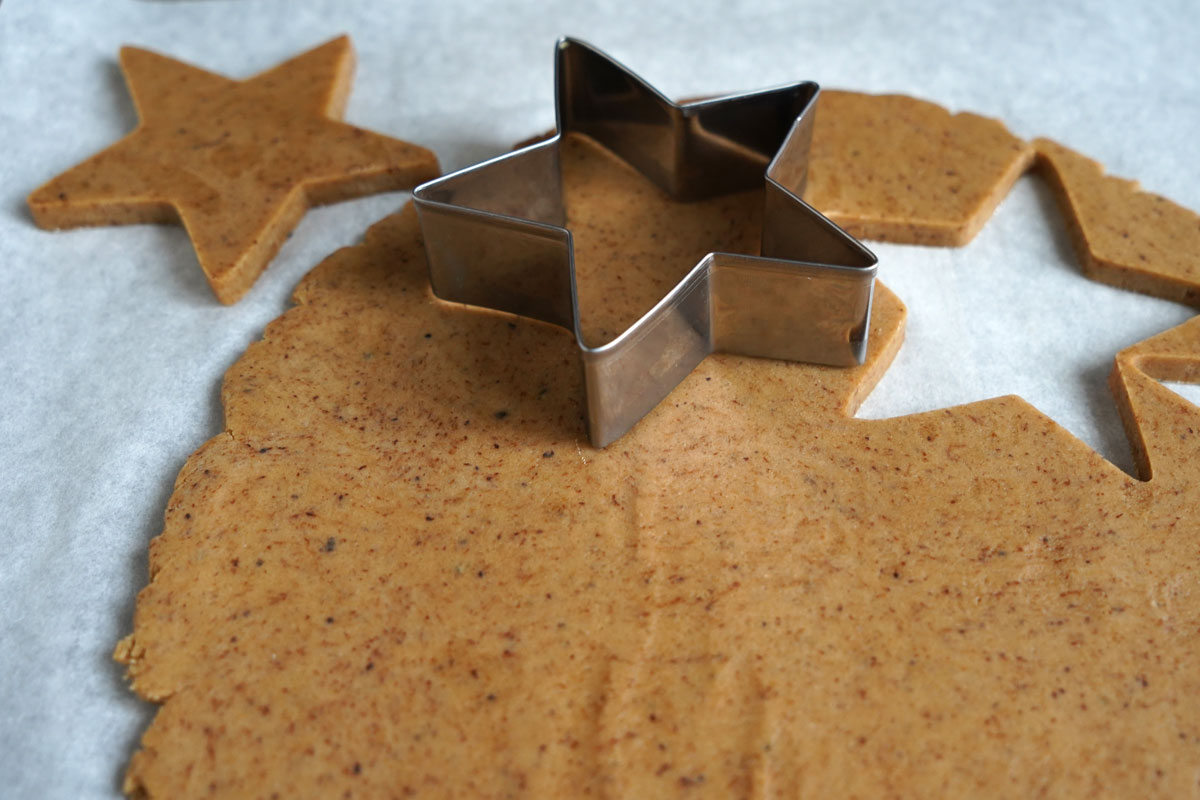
point(495, 236)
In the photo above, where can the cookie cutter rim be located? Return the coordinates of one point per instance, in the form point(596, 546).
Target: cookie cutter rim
point(501, 224)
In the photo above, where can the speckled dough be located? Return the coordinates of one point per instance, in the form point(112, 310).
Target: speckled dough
point(1124, 236)
point(898, 169)
point(402, 571)
point(236, 162)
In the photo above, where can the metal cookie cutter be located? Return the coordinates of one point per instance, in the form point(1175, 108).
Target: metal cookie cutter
point(495, 236)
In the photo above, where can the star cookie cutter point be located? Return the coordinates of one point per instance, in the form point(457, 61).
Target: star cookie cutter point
point(495, 236)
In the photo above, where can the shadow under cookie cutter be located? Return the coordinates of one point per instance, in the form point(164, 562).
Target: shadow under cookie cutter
point(495, 236)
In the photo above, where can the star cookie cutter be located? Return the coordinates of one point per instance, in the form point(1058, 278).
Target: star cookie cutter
point(495, 236)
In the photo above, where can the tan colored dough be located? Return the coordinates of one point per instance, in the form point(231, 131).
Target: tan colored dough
point(630, 254)
point(236, 162)
point(899, 169)
point(1123, 235)
point(1160, 424)
point(403, 572)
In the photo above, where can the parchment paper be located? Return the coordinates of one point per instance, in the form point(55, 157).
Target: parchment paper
point(112, 347)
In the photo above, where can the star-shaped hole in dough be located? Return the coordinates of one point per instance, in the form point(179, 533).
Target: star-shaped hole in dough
point(237, 162)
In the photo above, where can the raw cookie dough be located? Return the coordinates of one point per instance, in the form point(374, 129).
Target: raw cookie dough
point(898, 169)
point(630, 254)
point(1123, 235)
point(401, 571)
point(236, 162)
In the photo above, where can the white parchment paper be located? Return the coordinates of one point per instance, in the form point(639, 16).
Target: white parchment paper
point(112, 347)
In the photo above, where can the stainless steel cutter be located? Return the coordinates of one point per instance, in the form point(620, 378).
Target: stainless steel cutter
point(495, 236)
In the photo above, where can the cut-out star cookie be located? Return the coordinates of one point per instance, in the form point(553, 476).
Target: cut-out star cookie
point(236, 162)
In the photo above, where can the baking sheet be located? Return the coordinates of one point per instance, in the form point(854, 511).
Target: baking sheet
point(113, 347)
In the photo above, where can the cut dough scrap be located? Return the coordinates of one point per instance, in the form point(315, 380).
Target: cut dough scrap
point(1165, 442)
point(402, 571)
point(1124, 236)
point(237, 162)
point(898, 169)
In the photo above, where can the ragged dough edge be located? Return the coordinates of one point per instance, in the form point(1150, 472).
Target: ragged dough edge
point(128, 651)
